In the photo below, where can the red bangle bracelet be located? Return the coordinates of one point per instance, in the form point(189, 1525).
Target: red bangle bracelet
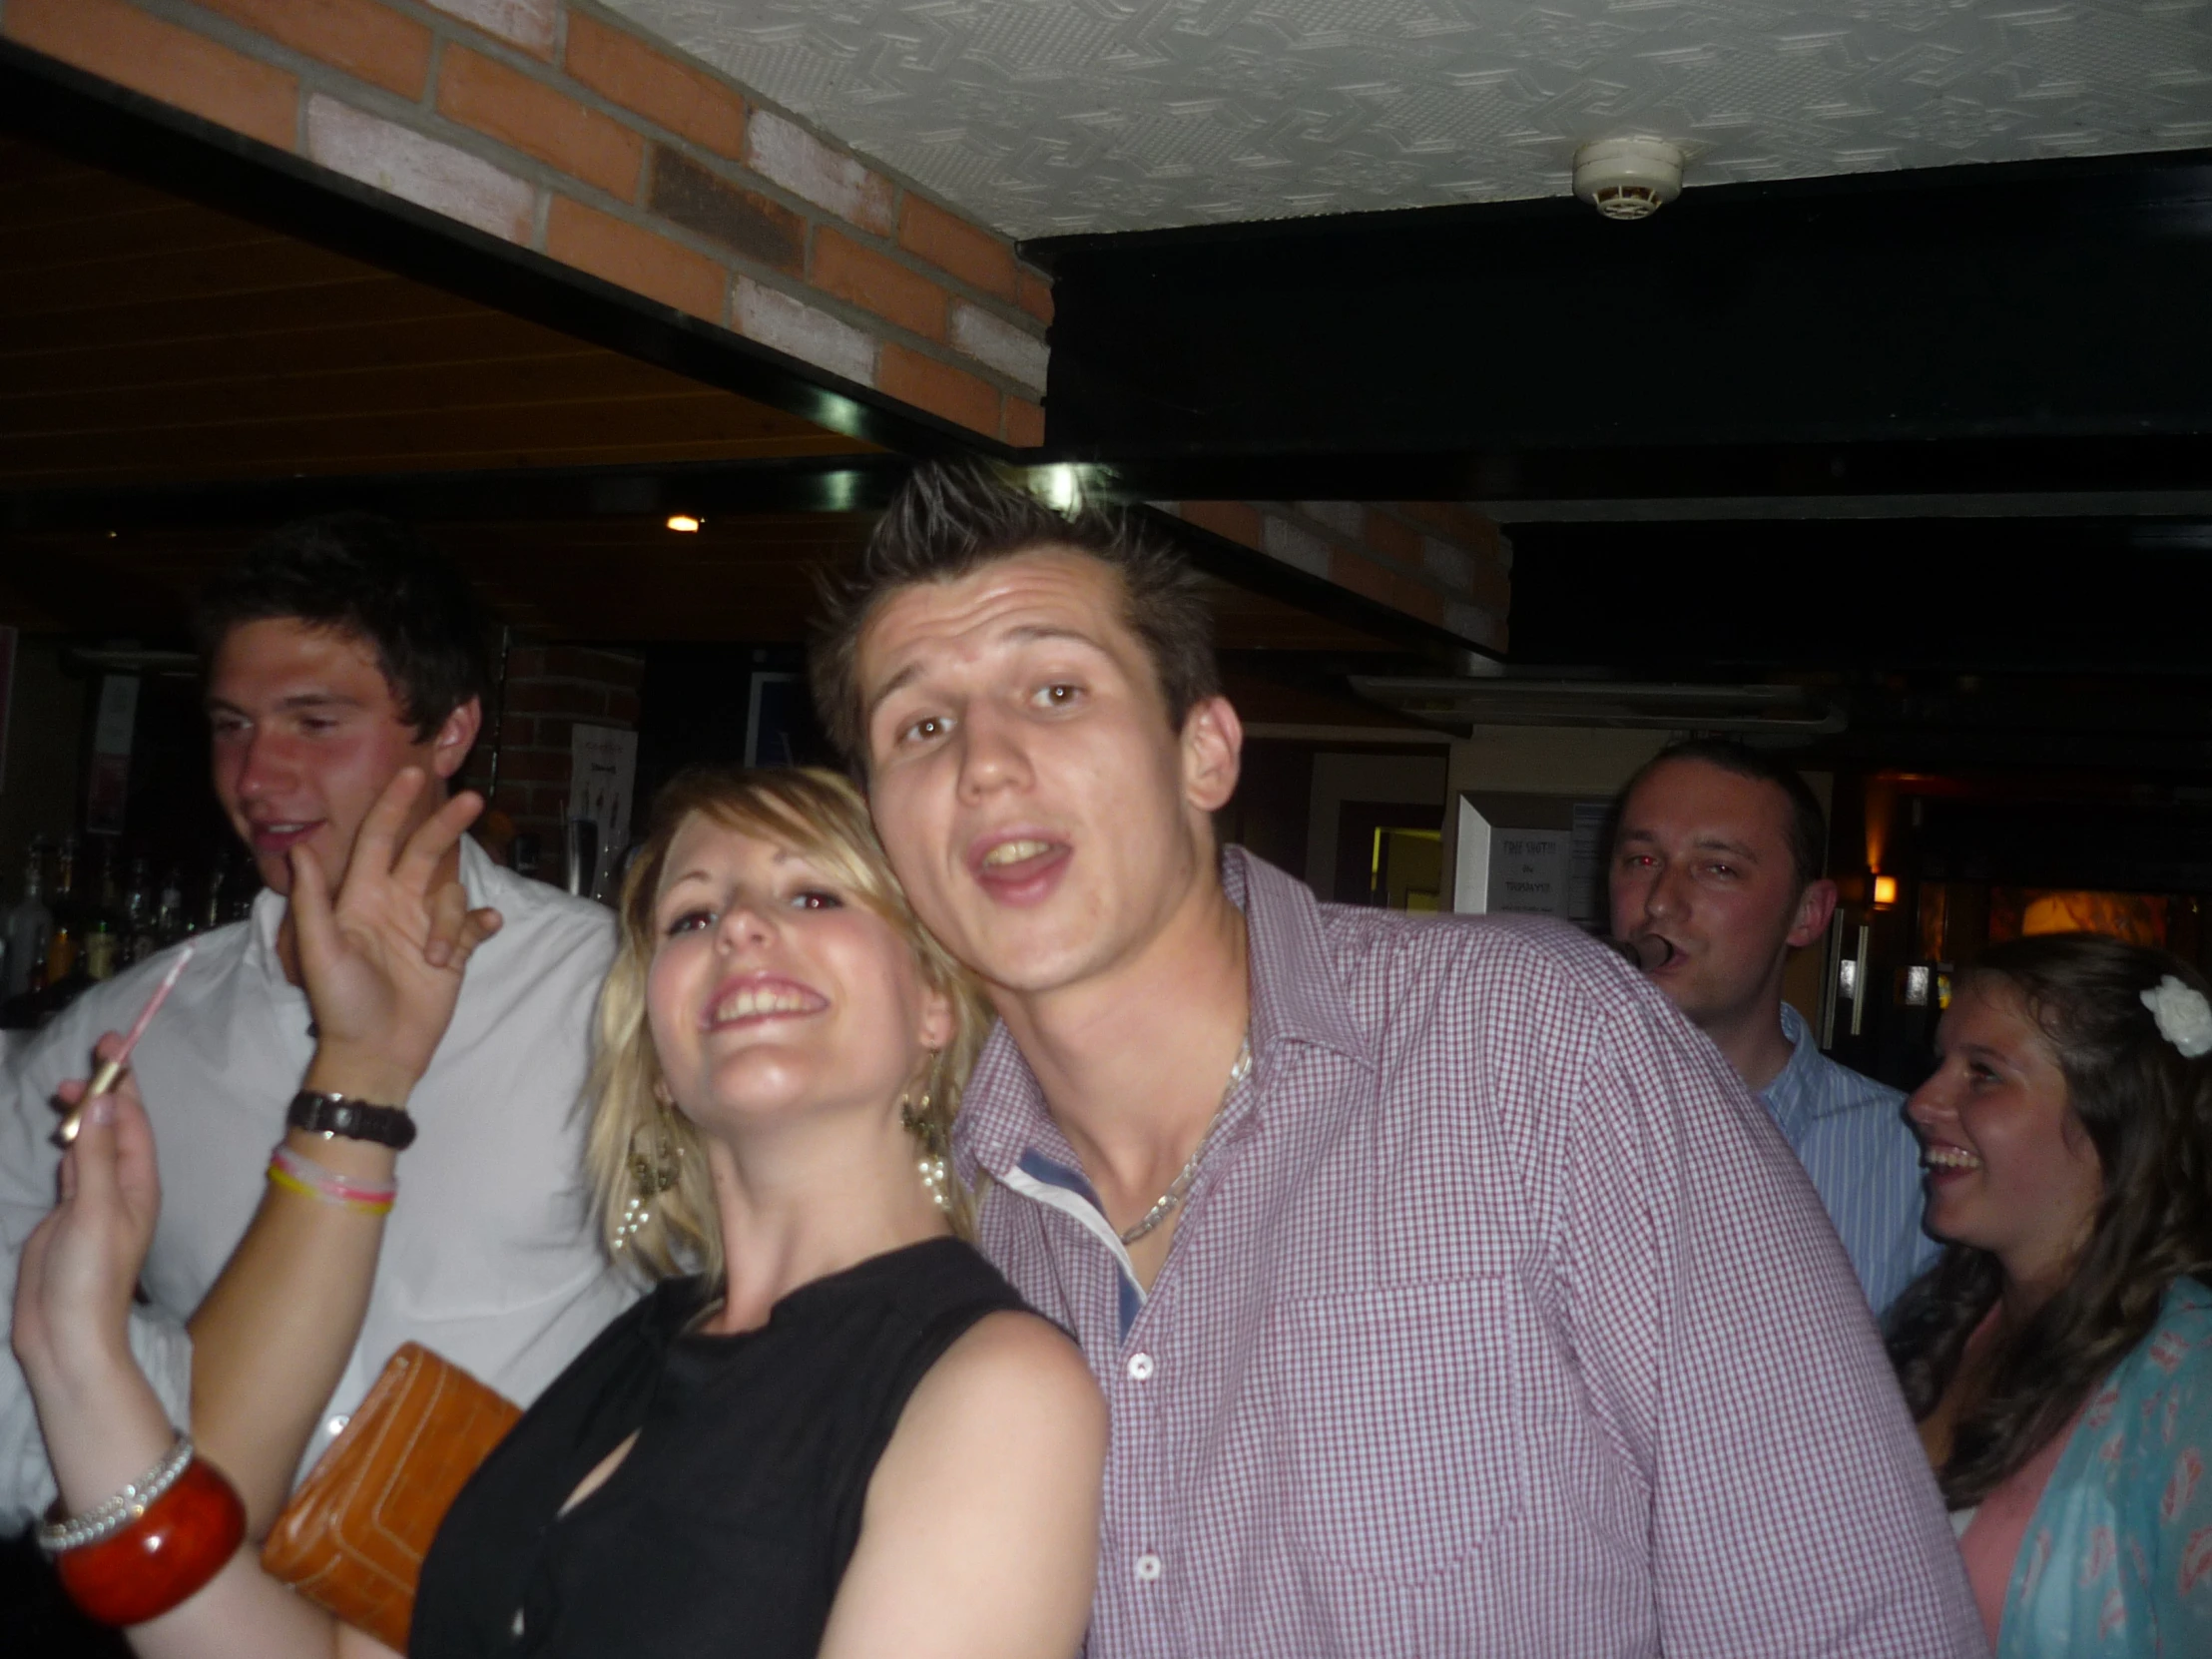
point(162, 1558)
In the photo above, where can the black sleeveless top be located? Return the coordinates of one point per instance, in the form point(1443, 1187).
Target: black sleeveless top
point(727, 1529)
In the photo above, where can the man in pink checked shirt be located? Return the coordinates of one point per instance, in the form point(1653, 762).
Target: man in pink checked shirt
point(1450, 1293)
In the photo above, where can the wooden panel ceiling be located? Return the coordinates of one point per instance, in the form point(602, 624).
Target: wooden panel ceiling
point(740, 578)
point(146, 338)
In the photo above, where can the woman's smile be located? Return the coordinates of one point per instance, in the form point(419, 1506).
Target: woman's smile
point(754, 997)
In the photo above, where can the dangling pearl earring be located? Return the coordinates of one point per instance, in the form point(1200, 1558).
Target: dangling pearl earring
point(936, 1176)
point(651, 1174)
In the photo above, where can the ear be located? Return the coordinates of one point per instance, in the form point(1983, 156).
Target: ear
point(456, 736)
point(937, 1019)
point(1213, 754)
point(1815, 906)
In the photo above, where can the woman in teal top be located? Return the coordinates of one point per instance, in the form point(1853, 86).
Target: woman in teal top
point(2118, 1556)
point(2058, 1356)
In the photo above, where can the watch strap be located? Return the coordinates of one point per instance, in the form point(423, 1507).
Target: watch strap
point(357, 1120)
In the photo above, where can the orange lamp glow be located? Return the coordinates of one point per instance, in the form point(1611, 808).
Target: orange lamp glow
point(1885, 891)
point(684, 522)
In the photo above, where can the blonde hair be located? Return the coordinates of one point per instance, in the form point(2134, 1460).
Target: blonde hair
point(823, 818)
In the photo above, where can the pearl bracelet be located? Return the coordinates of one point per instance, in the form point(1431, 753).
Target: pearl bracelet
point(112, 1516)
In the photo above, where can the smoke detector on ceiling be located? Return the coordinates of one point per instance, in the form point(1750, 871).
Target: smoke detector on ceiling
point(1628, 178)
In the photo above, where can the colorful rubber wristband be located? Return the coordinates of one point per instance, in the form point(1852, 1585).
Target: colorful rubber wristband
point(162, 1558)
point(293, 1184)
point(305, 1175)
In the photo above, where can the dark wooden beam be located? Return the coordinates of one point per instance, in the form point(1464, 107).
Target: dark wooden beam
point(30, 519)
point(808, 484)
point(1916, 598)
point(2028, 326)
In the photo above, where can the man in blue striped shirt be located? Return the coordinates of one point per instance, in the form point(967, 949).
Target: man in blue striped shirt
point(1718, 851)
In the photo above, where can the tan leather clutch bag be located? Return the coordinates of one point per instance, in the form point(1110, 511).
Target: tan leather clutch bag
point(354, 1536)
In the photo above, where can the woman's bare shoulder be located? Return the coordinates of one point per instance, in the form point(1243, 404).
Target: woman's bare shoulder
point(1006, 1359)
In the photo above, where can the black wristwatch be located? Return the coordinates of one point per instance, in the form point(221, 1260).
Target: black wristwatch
point(357, 1120)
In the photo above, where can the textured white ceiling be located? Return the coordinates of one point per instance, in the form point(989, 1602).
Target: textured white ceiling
point(1052, 116)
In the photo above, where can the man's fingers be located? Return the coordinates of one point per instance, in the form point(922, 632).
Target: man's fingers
point(477, 928)
point(426, 848)
point(313, 924)
point(448, 921)
point(376, 844)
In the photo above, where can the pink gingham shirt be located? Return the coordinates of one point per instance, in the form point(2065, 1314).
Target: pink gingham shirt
point(1499, 1320)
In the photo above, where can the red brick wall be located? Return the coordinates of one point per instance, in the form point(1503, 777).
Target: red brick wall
point(550, 689)
point(559, 125)
point(1441, 561)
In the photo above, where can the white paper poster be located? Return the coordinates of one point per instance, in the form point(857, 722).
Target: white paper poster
point(603, 774)
point(1528, 871)
point(1505, 869)
point(108, 772)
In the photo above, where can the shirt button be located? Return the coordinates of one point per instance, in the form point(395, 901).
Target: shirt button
point(1140, 1367)
point(1149, 1568)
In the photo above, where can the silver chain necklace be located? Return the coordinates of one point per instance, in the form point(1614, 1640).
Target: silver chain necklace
point(1170, 1200)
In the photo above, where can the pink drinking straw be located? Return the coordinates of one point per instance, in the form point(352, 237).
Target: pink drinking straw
point(104, 1079)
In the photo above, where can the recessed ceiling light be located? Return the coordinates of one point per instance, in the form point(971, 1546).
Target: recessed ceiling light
point(1061, 486)
point(684, 522)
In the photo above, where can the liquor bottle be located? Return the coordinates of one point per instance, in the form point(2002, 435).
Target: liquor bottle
point(103, 928)
point(211, 912)
point(140, 938)
point(65, 942)
point(170, 924)
point(29, 924)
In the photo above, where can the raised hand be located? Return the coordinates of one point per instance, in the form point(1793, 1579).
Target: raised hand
point(382, 962)
point(81, 1264)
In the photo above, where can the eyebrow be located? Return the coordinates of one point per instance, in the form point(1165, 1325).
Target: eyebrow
point(1722, 844)
point(1709, 844)
point(699, 873)
point(896, 683)
point(1028, 634)
point(298, 700)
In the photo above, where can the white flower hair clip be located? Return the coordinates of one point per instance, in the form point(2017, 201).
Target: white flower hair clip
point(2184, 1018)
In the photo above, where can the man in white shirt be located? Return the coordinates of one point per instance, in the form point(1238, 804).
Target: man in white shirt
point(339, 652)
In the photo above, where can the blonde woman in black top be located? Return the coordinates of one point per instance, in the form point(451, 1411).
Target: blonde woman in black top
point(830, 1428)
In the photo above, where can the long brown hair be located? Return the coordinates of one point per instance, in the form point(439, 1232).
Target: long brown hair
point(821, 817)
point(2147, 1109)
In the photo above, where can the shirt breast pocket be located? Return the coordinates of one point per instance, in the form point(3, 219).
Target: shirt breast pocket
point(1403, 1423)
